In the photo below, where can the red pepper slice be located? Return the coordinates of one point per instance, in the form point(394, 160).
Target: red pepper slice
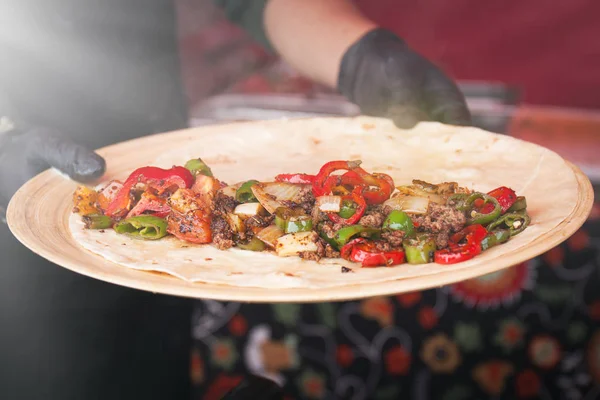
point(378, 187)
point(476, 232)
point(157, 178)
point(295, 178)
point(351, 178)
point(326, 170)
point(505, 196)
point(361, 207)
point(149, 202)
point(365, 252)
point(383, 186)
point(458, 252)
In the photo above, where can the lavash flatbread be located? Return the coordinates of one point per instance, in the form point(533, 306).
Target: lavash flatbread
point(260, 150)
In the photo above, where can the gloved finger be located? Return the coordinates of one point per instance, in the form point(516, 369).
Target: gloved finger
point(254, 387)
point(406, 116)
point(74, 160)
point(445, 101)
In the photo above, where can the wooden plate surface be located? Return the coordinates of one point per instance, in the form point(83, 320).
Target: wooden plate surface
point(38, 216)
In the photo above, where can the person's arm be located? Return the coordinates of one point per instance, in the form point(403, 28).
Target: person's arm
point(331, 42)
point(313, 35)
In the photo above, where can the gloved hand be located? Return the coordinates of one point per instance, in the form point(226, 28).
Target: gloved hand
point(24, 154)
point(254, 387)
point(385, 78)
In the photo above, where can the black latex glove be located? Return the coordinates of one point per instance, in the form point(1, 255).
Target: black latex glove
point(385, 78)
point(25, 154)
point(254, 387)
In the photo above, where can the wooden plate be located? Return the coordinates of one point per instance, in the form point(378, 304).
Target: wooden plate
point(38, 216)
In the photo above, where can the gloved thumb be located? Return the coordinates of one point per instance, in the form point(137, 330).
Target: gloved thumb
point(72, 159)
point(406, 116)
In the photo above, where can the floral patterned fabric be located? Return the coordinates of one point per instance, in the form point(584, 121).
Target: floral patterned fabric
point(527, 332)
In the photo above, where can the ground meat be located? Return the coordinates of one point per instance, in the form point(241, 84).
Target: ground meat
point(320, 246)
point(223, 204)
point(255, 224)
point(306, 199)
point(309, 255)
point(330, 252)
point(394, 238)
point(315, 256)
point(317, 215)
point(374, 220)
point(382, 246)
point(441, 239)
point(375, 216)
point(327, 228)
point(337, 227)
point(441, 219)
point(386, 210)
point(259, 221)
point(324, 250)
point(222, 234)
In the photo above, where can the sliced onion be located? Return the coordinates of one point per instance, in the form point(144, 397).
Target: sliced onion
point(284, 191)
point(444, 188)
point(409, 204)
point(329, 203)
point(249, 209)
point(270, 234)
point(294, 243)
point(415, 191)
point(269, 202)
point(236, 223)
point(231, 190)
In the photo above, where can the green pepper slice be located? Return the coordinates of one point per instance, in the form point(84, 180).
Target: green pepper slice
point(459, 200)
point(326, 238)
point(344, 235)
point(399, 221)
point(347, 209)
point(519, 204)
point(292, 221)
point(516, 222)
point(495, 238)
point(419, 249)
point(97, 221)
point(475, 217)
point(244, 193)
point(142, 227)
point(198, 167)
point(254, 244)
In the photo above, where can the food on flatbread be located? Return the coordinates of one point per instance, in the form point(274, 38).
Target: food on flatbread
point(343, 211)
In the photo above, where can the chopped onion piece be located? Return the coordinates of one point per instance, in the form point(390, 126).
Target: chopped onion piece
point(231, 190)
point(329, 203)
point(414, 191)
point(270, 234)
point(269, 202)
point(284, 191)
point(249, 209)
point(294, 243)
point(236, 223)
point(408, 204)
